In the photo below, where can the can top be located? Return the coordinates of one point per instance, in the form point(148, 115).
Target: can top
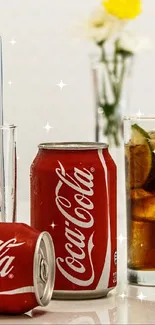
point(73, 145)
point(44, 269)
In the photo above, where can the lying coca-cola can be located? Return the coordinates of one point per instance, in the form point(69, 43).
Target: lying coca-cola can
point(73, 197)
point(27, 268)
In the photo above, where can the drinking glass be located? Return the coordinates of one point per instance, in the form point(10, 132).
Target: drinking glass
point(8, 173)
point(139, 135)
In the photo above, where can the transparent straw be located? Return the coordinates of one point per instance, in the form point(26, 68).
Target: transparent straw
point(8, 166)
point(1, 83)
point(1, 136)
point(7, 160)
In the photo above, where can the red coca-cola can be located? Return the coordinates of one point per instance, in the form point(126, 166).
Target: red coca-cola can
point(73, 197)
point(27, 268)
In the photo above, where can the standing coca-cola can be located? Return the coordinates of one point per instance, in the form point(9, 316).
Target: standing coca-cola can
point(27, 268)
point(73, 197)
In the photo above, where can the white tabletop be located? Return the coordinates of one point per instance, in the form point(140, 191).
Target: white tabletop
point(111, 310)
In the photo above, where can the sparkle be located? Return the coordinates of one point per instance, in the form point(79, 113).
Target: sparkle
point(53, 225)
point(18, 157)
point(122, 295)
point(13, 42)
point(139, 114)
point(121, 238)
point(141, 296)
point(47, 127)
point(9, 82)
point(61, 85)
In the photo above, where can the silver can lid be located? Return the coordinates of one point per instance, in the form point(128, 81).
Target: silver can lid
point(44, 269)
point(73, 146)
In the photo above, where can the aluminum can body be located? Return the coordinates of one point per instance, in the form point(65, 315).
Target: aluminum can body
point(73, 197)
point(27, 268)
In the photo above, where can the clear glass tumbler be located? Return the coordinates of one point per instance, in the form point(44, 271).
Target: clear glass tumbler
point(139, 134)
point(8, 166)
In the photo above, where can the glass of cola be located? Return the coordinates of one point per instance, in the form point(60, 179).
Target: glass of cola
point(139, 135)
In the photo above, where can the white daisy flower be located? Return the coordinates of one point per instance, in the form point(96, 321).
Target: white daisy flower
point(101, 25)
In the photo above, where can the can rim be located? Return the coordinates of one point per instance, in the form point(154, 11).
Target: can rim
point(48, 291)
point(73, 145)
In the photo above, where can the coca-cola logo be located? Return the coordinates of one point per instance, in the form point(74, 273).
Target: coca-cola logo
point(5, 258)
point(76, 244)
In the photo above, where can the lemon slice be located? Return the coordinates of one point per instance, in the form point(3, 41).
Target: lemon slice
point(139, 158)
point(139, 135)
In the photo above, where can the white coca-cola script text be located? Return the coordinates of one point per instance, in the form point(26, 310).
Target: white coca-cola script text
point(77, 246)
point(5, 258)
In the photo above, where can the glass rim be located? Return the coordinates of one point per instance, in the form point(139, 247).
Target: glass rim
point(7, 126)
point(136, 117)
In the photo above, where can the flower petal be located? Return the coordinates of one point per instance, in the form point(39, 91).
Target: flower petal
point(123, 9)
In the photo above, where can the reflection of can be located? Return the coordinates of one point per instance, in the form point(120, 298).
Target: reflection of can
point(83, 312)
point(27, 268)
point(73, 196)
point(77, 317)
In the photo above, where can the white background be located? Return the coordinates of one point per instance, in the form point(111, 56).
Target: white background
point(46, 51)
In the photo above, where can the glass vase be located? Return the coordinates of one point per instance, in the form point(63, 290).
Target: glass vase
point(111, 92)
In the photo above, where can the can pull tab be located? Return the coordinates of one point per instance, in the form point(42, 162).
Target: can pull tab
point(44, 270)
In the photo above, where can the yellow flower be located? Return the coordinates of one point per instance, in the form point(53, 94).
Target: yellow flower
point(123, 9)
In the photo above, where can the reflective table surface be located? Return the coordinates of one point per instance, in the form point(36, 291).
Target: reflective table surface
point(135, 305)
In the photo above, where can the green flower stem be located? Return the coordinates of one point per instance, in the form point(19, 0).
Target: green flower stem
point(103, 59)
point(120, 84)
point(105, 92)
point(115, 63)
point(112, 117)
point(112, 127)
